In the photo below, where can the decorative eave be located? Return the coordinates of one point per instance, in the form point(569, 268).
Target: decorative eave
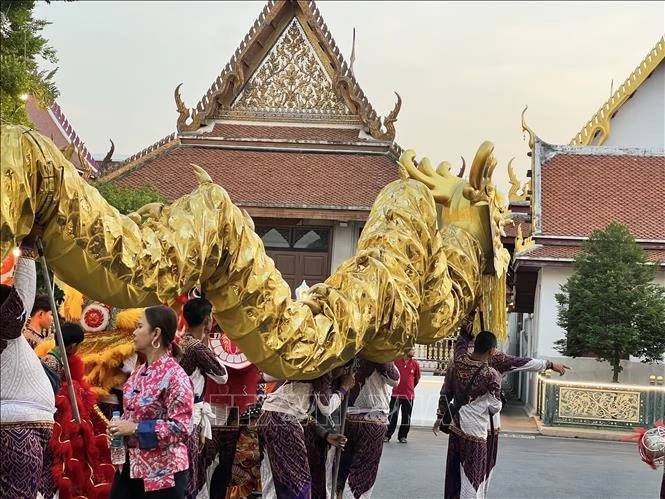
point(598, 127)
point(68, 131)
point(150, 152)
point(236, 73)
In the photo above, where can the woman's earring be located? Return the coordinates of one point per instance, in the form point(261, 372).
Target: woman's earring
point(153, 343)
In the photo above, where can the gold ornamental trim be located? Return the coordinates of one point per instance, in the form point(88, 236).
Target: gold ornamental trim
point(522, 243)
point(599, 404)
point(599, 124)
point(291, 79)
point(216, 103)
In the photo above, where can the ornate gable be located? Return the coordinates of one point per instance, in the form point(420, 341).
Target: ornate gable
point(291, 80)
point(288, 68)
point(596, 131)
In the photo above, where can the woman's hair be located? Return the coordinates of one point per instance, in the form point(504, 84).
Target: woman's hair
point(166, 320)
point(484, 342)
point(72, 333)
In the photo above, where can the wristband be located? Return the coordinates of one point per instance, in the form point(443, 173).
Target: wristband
point(28, 252)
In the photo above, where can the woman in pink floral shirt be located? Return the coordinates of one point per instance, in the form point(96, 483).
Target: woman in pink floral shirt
point(157, 419)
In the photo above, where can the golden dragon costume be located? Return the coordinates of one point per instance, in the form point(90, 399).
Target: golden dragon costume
point(430, 245)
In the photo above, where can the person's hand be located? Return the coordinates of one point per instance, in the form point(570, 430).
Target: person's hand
point(122, 428)
point(478, 301)
point(560, 368)
point(29, 242)
point(336, 440)
point(437, 423)
point(348, 380)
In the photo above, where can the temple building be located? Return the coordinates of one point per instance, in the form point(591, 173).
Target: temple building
point(612, 170)
point(288, 132)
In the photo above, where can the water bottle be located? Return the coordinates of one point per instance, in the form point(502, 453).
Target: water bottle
point(117, 445)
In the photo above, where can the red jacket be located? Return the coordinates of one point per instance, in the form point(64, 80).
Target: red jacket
point(409, 375)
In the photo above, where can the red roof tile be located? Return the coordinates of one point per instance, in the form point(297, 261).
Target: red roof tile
point(511, 230)
point(581, 193)
point(271, 178)
point(570, 252)
point(285, 133)
point(45, 122)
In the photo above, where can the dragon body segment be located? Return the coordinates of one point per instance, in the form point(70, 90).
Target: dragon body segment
point(412, 279)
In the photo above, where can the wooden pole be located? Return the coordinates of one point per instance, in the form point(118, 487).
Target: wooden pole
point(342, 427)
point(58, 332)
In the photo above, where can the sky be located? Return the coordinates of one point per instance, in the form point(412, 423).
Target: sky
point(464, 70)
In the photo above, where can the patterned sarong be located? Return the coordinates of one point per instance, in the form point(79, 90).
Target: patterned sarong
point(359, 464)
point(23, 470)
point(317, 452)
point(466, 466)
point(196, 472)
point(285, 467)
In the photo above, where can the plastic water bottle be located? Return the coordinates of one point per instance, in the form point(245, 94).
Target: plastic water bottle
point(117, 445)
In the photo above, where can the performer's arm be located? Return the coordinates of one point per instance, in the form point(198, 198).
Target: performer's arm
point(465, 336)
point(327, 399)
point(389, 373)
point(153, 433)
point(507, 363)
point(16, 308)
point(210, 364)
point(446, 394)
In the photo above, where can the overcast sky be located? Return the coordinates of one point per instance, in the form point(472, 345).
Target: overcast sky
point(465, 70)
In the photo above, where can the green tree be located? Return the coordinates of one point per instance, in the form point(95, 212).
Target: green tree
point(128, 199)
point(21, 49)
point(610, 306)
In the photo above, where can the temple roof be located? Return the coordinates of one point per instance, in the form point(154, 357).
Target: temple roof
point(53, 123)
point(579, 189)
point(597, 129)
point(284, 125)
point(566, 254)
point(287, 68)
point(297, 179)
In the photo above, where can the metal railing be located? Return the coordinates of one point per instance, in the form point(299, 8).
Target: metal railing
point(599, 405)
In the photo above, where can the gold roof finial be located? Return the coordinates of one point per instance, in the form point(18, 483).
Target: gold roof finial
point(527, 128)
point(514, 195)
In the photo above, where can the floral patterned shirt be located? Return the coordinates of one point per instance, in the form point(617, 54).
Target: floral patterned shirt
point(159, 398)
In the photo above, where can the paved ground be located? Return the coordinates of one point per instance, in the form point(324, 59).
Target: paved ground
point(528, 467)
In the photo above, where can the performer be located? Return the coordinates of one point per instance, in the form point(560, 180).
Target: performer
point(199, 363)
point(72, 335)
point(280, 432)
point(320, 428)
point(41, 320)
point(246, 468)
point(157, 418)
point(503, 363)
point(26, 401)
point(81, 460)
point(366, 422)
point(468, 461)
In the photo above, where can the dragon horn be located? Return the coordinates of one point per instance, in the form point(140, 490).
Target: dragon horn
point(201, 175)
